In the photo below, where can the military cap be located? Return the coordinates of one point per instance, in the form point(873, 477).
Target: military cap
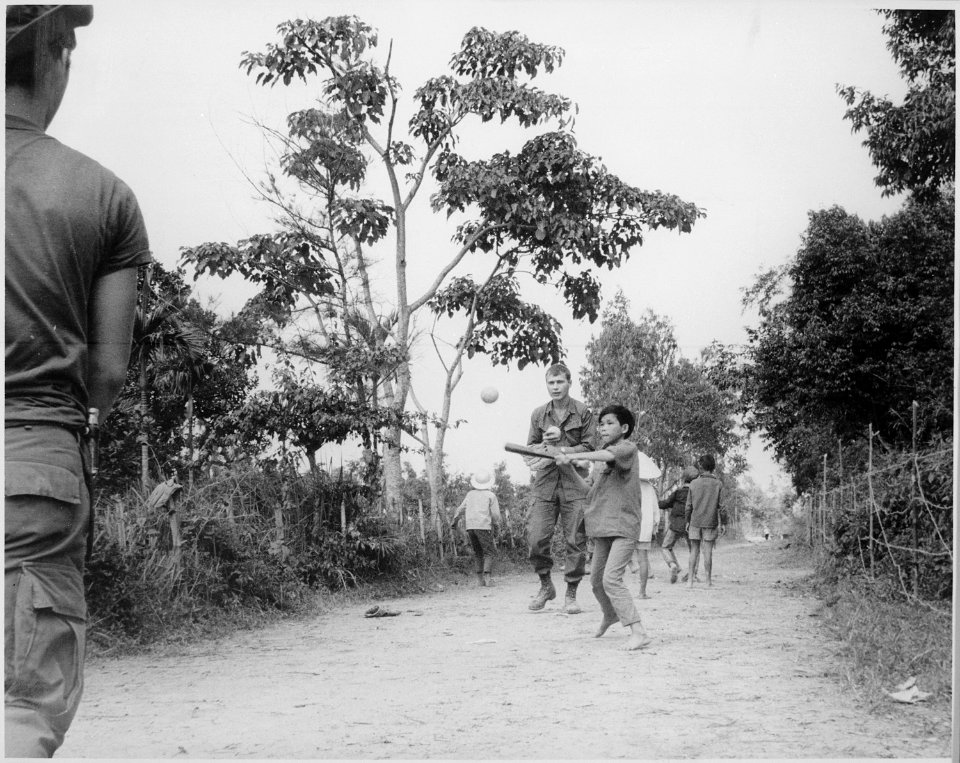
point(23, 21)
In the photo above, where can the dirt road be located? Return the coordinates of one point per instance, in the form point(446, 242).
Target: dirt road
point(739, 671)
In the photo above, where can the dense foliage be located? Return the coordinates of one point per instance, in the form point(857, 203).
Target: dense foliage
point(913, 144)
point(859, 325)
point(681, 412)
point(188, 370)
point(863, 332)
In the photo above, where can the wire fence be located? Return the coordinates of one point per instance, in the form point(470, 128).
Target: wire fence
point(891, 521)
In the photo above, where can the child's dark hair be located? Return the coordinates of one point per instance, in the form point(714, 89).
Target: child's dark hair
point(707, 462)
point(623, 416)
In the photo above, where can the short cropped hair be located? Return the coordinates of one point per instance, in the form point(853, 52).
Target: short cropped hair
point(623, 416)
point(559, 369)
point(707, 462)
point(51, 36)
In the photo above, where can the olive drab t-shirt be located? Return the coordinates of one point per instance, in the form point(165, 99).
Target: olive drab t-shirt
point(68, 222)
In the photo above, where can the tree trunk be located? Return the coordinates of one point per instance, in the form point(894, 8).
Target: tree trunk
point(392, 468)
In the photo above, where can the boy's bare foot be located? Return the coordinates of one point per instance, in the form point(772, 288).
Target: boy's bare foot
point(604, 624)
point(637, 641)
point(643, 595)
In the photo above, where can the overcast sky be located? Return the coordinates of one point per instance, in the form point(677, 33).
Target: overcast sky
point(731, 106)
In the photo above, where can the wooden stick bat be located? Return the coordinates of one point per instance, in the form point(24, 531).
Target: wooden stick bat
point(523, 450)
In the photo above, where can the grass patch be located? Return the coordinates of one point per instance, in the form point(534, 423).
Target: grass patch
point(884, 640)
point(181, 628)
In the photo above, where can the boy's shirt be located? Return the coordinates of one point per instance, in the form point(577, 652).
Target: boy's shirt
point(478, 508)
point(614, 502)
point(704, 502)
point(677, 506)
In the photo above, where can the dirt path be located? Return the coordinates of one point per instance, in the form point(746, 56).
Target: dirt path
point(737, 672)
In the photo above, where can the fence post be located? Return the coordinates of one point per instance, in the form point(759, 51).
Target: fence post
point(823, 504)
point(914, 511)
point(423, 536)
point(870, 497)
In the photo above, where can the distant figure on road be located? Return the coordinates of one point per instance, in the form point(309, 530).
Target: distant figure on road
point(74, 237)
point(675, 504)
point(563, 425)
point(614, 519)
point(481, 512)
point(706, 517)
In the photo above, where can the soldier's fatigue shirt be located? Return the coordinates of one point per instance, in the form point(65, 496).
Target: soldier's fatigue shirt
point(578, 434)
point(68, 222)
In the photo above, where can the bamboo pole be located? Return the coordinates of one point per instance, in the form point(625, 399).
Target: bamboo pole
point(423, 536)
point(914, 510)
point(176, 540)
point(871, 504)
point(823, 503)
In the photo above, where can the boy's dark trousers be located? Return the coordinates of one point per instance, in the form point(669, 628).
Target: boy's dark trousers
point(481, 541)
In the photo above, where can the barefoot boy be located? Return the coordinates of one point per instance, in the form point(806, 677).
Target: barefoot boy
point(613, 518)
point(706, 517)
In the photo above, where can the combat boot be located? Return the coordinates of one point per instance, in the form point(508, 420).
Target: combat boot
point(570, 605)
point(545, 594)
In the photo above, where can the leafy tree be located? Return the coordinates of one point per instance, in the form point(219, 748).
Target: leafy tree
point(862, 330)
point(550, 210)
point(681, 412)
point(303, 415)
point(913, 144)
point(181, 376)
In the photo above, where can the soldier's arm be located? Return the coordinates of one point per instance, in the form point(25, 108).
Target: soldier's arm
point(534, 436)
point(588, 435)
point(112, 309)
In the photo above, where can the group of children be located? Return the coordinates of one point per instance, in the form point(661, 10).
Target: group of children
point(620, 518)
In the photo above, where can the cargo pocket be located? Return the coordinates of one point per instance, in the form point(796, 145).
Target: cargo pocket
point(45, 661)
point(49, 480)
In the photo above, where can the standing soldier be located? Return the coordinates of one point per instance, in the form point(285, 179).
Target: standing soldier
point(568, 426)
point(74, 237)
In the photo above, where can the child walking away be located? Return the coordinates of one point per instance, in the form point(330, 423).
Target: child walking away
point(481, 512)
point(613, 518)
point(675, 504)
point(706, 517)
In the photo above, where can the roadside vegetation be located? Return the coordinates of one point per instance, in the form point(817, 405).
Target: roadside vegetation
point(212, 511)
